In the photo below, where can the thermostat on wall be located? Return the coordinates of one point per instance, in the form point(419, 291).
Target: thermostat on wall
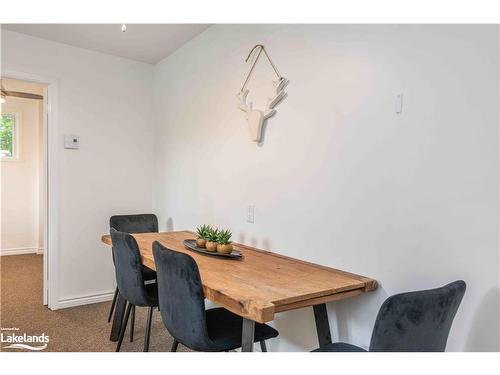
point(71, 141)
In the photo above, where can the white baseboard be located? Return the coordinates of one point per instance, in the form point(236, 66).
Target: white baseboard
point(39, 251)
point(84, 300)
point(18, 251)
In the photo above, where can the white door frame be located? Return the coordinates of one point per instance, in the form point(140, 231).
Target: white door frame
point(50, 180)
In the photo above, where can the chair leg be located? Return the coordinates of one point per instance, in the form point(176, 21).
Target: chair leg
point(132, 324)
point(113, 304)
point(124, 327)
point(148, 329)
point(175, 344)
point(263, 346)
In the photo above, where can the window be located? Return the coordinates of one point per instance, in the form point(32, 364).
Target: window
point(8, 136)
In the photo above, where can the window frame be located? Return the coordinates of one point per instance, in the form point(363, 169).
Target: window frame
point(15, 137)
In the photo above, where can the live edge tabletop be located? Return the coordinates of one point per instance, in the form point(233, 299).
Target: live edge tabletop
point(262, 283)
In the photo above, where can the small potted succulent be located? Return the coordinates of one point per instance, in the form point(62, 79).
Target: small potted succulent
point(202, 232)
point(211, 237)
point(224, 245)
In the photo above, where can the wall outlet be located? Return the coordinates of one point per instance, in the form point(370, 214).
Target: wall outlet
point(250, 213)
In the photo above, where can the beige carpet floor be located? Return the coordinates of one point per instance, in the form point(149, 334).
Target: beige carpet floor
point(76, 329)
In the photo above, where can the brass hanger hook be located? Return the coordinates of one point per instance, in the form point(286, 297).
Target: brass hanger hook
point(262, 48)
point(253, 49)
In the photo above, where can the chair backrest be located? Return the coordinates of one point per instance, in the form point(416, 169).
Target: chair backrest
point(128, 268)
point(181, 297)
point(417, 321)
point(141, 223)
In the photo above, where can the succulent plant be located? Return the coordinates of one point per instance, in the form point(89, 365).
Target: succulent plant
point(203, 231)
point(212, 234)
point(224, 237)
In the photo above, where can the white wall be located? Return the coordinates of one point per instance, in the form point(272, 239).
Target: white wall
point(108, 102)
point(341, 180)
point(20, 181)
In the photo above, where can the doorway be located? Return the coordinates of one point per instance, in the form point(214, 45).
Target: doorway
point(23, 184)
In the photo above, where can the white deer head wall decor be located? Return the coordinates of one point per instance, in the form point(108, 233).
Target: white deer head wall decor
point(256, 117)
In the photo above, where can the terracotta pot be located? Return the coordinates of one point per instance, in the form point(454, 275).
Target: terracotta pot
point(225, 249)
point(200, 242)
point(211, 246)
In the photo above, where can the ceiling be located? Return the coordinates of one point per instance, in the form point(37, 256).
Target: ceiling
point(148, 43)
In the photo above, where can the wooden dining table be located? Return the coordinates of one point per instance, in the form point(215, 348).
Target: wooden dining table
point(259, 285)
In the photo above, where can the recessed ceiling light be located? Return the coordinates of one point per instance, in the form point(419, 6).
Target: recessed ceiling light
point(124, 28)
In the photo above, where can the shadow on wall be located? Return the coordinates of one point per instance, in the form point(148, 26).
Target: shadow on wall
point(264, 244)
point(485, 327)
point(356, 316)
point(170, 225)
point(298, 329)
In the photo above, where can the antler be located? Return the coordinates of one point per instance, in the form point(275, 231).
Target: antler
point(242, 97)
point(278, 97)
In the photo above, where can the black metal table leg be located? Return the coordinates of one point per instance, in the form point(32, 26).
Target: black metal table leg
point(132, 324)
point(247, 335)
point(118, 317)
point(175, 344)
point(263, 347)
point(322, 325)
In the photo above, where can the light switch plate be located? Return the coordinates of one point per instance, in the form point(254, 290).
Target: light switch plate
point(399, 103)
point(71, 141)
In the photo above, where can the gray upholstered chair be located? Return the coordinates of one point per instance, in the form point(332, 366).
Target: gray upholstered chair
point(412, 322)
point(130, 280)
point(183, 311)
point(139, 223)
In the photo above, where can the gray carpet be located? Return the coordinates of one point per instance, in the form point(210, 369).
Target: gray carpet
point(76, 329)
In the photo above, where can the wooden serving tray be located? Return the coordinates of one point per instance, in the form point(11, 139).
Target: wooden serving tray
point(191, 245)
